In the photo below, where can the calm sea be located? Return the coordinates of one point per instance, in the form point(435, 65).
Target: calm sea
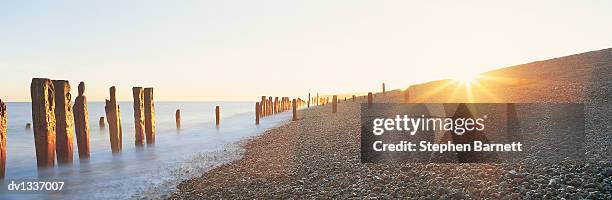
point(138, 172)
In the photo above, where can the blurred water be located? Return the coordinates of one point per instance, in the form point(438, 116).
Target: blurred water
point(138, 172)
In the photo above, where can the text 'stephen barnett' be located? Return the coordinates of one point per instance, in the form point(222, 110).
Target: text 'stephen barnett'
point(476, 146)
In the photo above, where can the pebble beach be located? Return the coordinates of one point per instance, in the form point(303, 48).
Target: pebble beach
point(318, 156)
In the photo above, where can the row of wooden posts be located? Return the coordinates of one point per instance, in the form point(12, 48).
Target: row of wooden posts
point(53, 116)
point(56, 120)
point(270, 106)
point(267, 106)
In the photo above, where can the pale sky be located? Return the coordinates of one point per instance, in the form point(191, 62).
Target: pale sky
point(241, 50)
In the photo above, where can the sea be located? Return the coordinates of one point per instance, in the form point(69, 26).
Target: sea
point(145, 172)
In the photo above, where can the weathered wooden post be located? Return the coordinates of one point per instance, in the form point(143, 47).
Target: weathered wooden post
point(81, 122)
point(43, 117)
point(139, 116)
point(383, 85)
point(149, 107)
point(294, 110)
point(280, 104)
point(101, 123)
point(287, 103)
point(370, 99)
point(64, 128)
point(275, 105)
point(270, 107)
point(177, 116)
point(309, 100)
point(257, 110)
point(335, 104)
point(406, 96)
point(113, 117)
point(217, 115)
point(354, 98)
point(267, 103)
point(318, 99)
point(263, 106)
point(3, 119)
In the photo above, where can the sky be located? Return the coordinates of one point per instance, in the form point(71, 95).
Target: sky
point(235, 50)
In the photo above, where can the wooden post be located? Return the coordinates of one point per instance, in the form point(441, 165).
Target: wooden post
point(309, 100)
point(81, 122)
point(370, 99)
point(177, 116)
point(318, 99)
point(335, 104)
point(263, 106)
point(257, 110)
point(101, 123)
point(3, 119)
point(281, 104)
point(354, 98)
point(406, 96)
point(383, 88)
point(113, 117)
point(294, 110)
point(149, 107)
point(270, 108)
point(267, 106)
point(275, 105)
point(43, 118)
point(64, 127)
point(217, 115)
point(139, 116)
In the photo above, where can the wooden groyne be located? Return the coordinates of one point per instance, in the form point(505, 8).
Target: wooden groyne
point(139, 116)
point(383, 88)
point(177, 118)
point(309, 100)
point(335, 104)
point(257, 113)
point(293, 103)
point(3, 128)
point(269, 105)
point(149, 108)
point(113, 117)
point(64, 122)
point(81, 122)
point(43, 118)
point(217, 115)
point(56, 121)
point(370, 99)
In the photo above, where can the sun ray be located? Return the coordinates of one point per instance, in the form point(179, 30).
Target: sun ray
point(436, 90)
point(490, 96)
